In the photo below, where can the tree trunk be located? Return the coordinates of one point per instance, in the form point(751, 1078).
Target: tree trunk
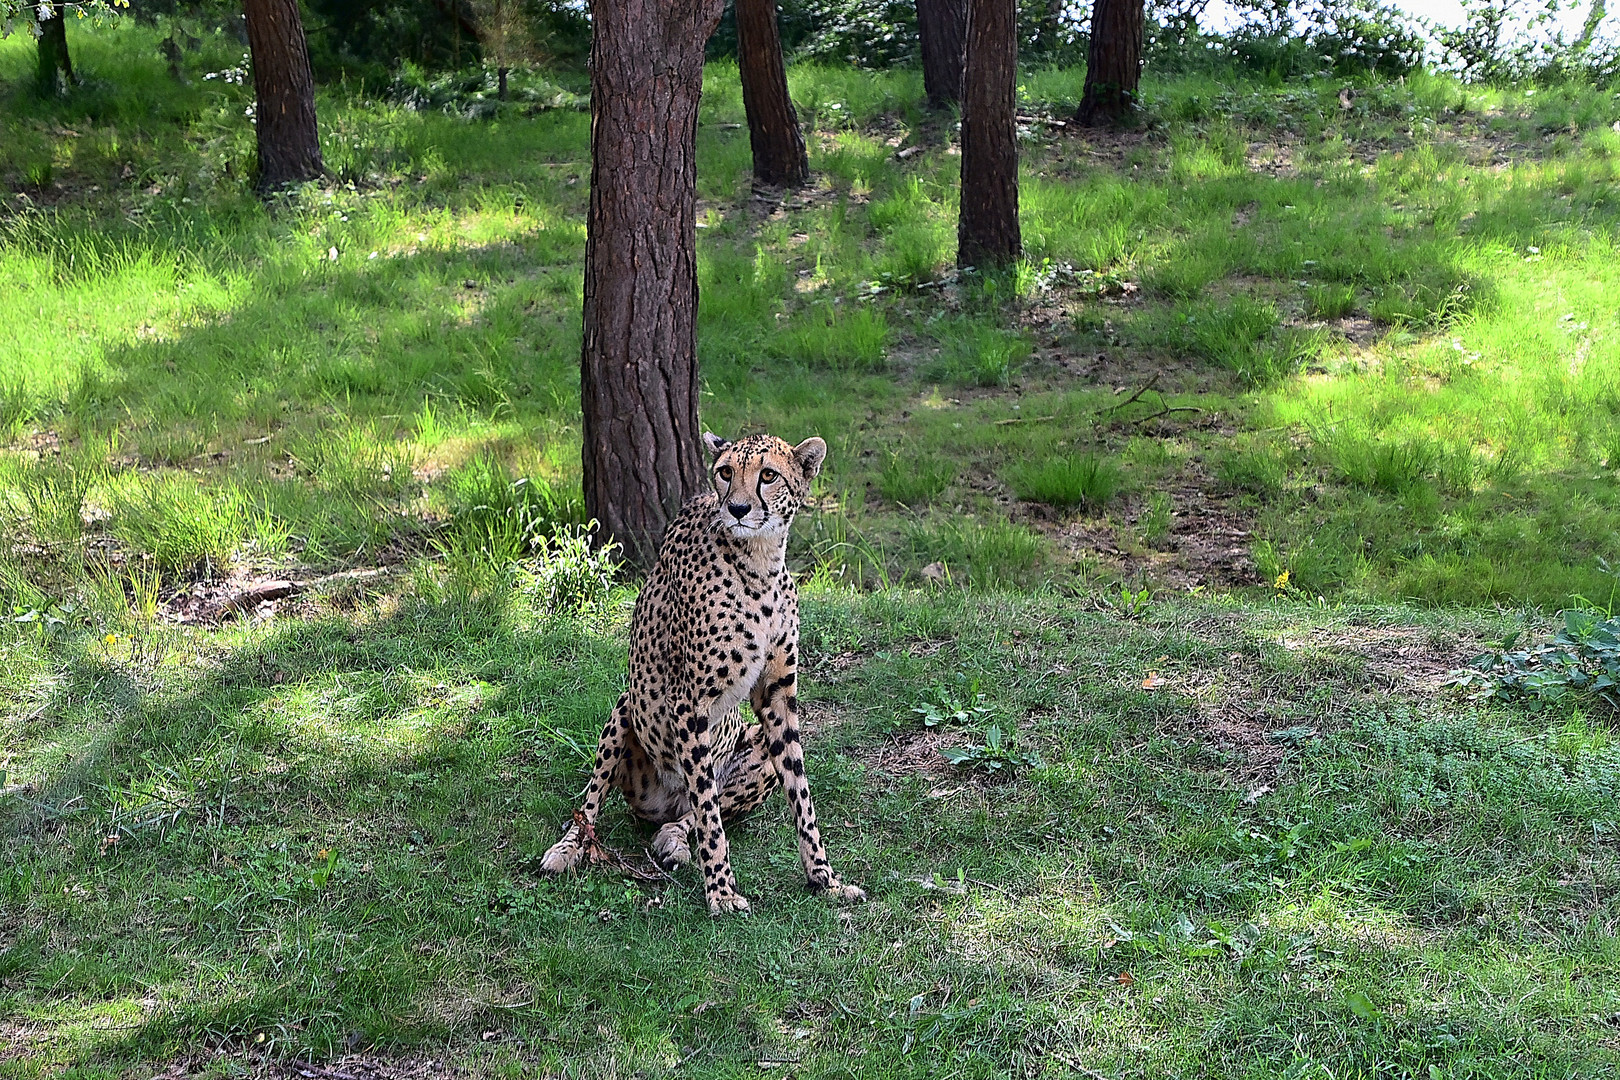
point(1113, 62)
point(500, 76)
point(55, 72)
point(638, 364)
point(987, 227)
point(289, 142)
point(773, 127)
point(942, 28)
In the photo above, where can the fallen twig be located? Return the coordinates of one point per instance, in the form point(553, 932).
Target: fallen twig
point(600, 854)
point(1150, 384)
point(1166, 411)
point(1024, 420)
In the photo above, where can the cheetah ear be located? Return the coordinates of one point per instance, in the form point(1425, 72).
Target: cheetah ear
point(715, 443)
point(810, 454)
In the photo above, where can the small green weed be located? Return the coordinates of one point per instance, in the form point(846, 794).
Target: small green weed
point(564, 575)
point(1153, 525)
point(995, 755)
point(964, 703)
point(1087, 480)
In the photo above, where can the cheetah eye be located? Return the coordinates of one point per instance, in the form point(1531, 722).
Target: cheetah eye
point(768, 475)
point(725, 473)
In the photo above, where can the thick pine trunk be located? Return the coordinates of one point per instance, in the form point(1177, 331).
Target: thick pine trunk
point(987, 227)
point(773, 127)
point(55, 71)
point(638, 364)
point(1113, 62)
point(942, 28)
point(289, 141)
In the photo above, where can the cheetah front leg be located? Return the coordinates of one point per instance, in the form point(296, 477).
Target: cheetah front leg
point(712, 849)
point(613, 748)
point(776, 704)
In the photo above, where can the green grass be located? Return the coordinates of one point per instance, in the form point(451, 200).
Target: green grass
point(1259, 841)
point(324, 836)
point(212, 372)
point(1089, 481)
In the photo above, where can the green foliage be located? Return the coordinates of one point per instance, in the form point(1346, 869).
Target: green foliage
point(1086, 480)
point(564, 575)
point(994, 755)
point(1580, 664)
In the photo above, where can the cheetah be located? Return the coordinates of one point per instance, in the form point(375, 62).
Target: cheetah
point(717, 622)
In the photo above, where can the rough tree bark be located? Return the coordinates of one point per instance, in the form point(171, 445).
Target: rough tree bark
point(289, 142)
point(773, 127)
point(638, 364)
point(55, 71)
point(1113, 62)
point(942, 28)
point(987, 227)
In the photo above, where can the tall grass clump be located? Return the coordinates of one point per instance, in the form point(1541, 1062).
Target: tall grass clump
point(1087, 480)
point(915, 480)
point(828, 337)
point(977, 353)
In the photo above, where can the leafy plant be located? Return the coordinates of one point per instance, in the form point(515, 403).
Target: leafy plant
point(996, 755)
point(1581, 662)
point(964, 705)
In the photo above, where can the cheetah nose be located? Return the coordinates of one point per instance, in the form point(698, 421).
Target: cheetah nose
point(739, 510)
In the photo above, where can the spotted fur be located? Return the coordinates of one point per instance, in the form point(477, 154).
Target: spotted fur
point(717, 622)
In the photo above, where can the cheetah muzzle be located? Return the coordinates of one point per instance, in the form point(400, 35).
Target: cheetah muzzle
point(716, 623)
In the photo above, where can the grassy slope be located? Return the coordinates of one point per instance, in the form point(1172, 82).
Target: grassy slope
point(1454, 435)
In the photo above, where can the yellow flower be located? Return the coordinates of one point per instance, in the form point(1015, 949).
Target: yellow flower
point(111, 639)
point(1281, 582)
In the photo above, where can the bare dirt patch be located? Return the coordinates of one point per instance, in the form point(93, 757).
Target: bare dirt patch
point(348, 1067)
point(913, 753)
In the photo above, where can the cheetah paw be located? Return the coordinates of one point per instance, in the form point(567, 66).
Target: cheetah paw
point(565, 854)
point(670, 845)
point(728, 903)
point(833, 889)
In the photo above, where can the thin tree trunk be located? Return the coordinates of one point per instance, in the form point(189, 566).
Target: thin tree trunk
point(987, 226)
point(500, 76)
point(1113, 62)
point(773, 127)
point(942, 28)
point(55, 72)
point(638, 363)
point(289, 141)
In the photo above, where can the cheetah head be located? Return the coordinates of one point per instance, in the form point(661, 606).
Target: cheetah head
point(761, 481)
